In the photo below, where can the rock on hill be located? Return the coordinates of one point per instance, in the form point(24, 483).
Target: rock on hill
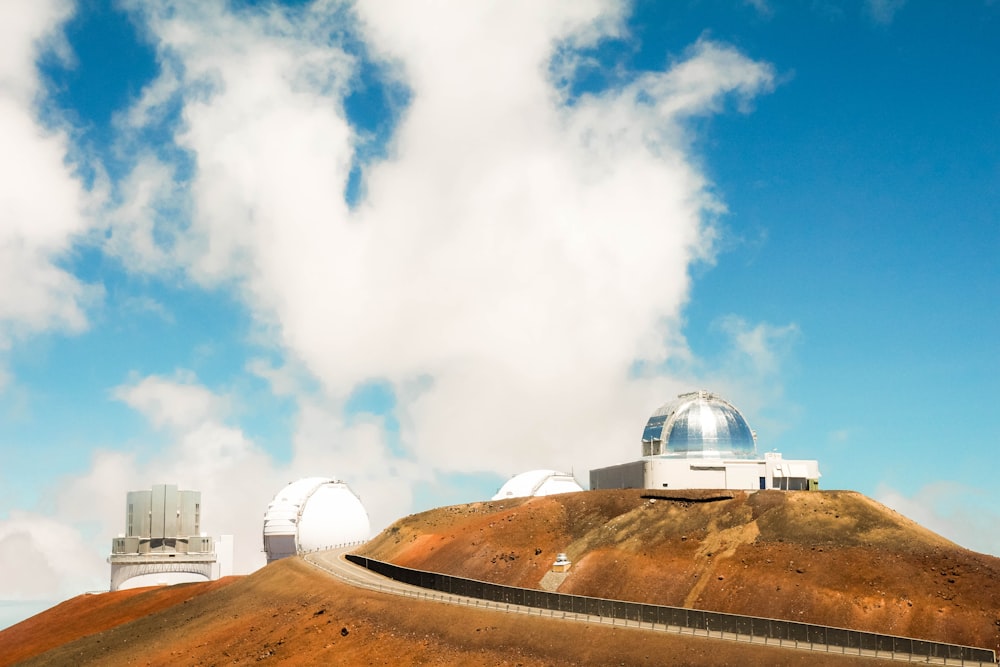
point(832, 557)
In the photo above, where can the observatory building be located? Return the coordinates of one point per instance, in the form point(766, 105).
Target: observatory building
point(163, 542)
point(701, 441)
point(537, 483)
point(313, 513)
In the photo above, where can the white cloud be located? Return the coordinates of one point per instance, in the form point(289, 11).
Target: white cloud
point(516, 252)
point(965, 515)
point(147, 306)
point(203, 452)
point(283, 381)
point(883, 11)
point(24, 31)
point(749, 371)
point(144, 225)
point(840, 436)
point(179, 403)
point(514, 256)
point(760, 349)
point(236, 480)
point(762, 7)
point(42, 204)
point(45, 558)
point(358, 453)
point(263, 119)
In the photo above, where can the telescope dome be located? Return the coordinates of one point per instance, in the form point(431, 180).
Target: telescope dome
point(698, 425)
point(313, 513)
point(537, 483)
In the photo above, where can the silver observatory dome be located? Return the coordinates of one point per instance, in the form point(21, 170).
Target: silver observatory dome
point(699, 425)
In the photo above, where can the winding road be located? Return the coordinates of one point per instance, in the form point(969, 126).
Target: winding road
point(333, 562)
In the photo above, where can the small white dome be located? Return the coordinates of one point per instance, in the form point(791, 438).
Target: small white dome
point(537, 483)
point(313, 513)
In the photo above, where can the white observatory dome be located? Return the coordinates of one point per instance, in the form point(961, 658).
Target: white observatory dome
point(698, 425)
point(313, 513)
point(537, 483)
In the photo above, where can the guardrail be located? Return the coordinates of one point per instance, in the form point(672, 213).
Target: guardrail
point(780, 631)
point(332, 547)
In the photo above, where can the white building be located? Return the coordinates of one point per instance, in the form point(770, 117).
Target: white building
point(701, 441)
point(537, 483)
point(163, 542)
point(313, 513)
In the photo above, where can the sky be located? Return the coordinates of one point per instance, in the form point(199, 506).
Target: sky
point(424, 246)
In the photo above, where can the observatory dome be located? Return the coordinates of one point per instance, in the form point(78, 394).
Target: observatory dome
point(313, 513)
point(537, 483)
point(698, 425)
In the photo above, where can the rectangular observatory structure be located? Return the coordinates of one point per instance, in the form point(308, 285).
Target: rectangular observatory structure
point(770, 472)
point(162, 535)
point(163, 519)
point(699, 440)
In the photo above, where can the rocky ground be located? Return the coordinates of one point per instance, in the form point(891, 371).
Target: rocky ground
point(835, 558)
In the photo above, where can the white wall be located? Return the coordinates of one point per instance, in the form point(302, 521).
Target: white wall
point(679, 473)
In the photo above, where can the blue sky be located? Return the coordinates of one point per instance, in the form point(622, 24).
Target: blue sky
point(422, 248)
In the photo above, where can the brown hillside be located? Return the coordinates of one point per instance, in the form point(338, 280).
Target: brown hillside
point(92, 613)
point(833, 557)
point(289, 613)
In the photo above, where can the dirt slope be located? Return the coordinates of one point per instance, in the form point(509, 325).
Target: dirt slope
point(291, 614)
point(834, 557)
point(93, 613)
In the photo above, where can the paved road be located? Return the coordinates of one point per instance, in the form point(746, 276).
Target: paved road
point(334, 563)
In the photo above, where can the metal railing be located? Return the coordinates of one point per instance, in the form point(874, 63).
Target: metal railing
point(332, 547)
point(753, 629)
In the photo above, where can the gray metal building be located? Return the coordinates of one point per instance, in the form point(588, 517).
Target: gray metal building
point(162, 536)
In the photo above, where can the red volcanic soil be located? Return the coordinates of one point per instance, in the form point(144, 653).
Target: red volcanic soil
point(92, 613)
point(836, 558)
point(289, 613)
point(829, 557)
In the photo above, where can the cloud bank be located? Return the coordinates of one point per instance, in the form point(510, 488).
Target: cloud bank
point(42, 203)
point(516, 248)
point(944, 507)
point(514, 269)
